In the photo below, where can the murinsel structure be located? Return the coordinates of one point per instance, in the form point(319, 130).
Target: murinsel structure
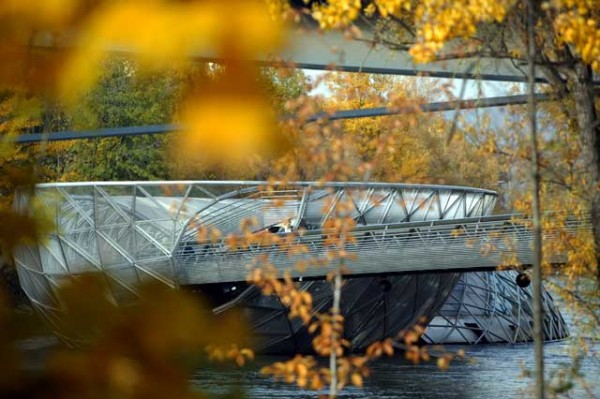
point(422, 253)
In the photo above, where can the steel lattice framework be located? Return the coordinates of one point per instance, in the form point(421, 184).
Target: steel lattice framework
point(140, 231)
point(487, 307)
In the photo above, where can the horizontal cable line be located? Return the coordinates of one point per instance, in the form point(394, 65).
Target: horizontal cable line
point(441, 106)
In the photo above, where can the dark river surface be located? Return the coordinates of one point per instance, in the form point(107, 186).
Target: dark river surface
point(491, 371)
point(494, 371)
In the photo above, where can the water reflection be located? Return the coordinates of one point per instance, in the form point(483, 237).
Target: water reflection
point(496, 371)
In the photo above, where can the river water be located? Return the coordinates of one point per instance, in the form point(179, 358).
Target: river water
point(493, 371)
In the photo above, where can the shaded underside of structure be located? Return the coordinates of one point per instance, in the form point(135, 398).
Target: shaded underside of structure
point(489, 307)
point(149, 231)
point(374, 308)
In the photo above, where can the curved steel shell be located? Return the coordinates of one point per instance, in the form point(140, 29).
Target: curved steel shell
point(139, 231)
point(489, 307)
point(374, 308)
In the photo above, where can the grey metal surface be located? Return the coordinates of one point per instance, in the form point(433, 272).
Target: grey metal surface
point(140, 231)
point(489, 307)
point(374, 308)
point(460, 245)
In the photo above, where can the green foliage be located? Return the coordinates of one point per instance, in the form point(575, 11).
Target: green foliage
point(282, 85)
point(279, 87)
point(124, 97)
point(17, 113)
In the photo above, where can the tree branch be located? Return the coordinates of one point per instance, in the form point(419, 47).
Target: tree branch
point(404, 25)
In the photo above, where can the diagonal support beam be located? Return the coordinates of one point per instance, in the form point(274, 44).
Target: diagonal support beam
point(441, 106)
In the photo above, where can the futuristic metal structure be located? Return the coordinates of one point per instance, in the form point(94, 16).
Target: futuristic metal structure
point(140, 231)
point(488, 307)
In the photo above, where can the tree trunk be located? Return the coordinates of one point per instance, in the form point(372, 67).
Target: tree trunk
point(538, 335)
point(582, 88)
point(335, 312)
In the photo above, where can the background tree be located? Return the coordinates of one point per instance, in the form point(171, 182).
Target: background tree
point(567, 34)
point(124, 96)
point(417, 144)
point(279, 86)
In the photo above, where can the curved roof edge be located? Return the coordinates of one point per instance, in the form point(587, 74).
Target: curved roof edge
point(317, 184)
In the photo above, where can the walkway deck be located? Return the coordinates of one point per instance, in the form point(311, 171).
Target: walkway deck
point(470, 244)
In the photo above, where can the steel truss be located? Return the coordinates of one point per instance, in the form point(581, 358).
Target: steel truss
point(489, 307)
point(148, 231)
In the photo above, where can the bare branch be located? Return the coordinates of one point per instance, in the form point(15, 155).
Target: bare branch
point(404, 25)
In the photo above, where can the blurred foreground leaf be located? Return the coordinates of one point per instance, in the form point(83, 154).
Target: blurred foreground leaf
point(147, 350)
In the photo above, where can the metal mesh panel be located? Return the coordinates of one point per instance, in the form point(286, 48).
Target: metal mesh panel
point(148, 231)
point(490, 307)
